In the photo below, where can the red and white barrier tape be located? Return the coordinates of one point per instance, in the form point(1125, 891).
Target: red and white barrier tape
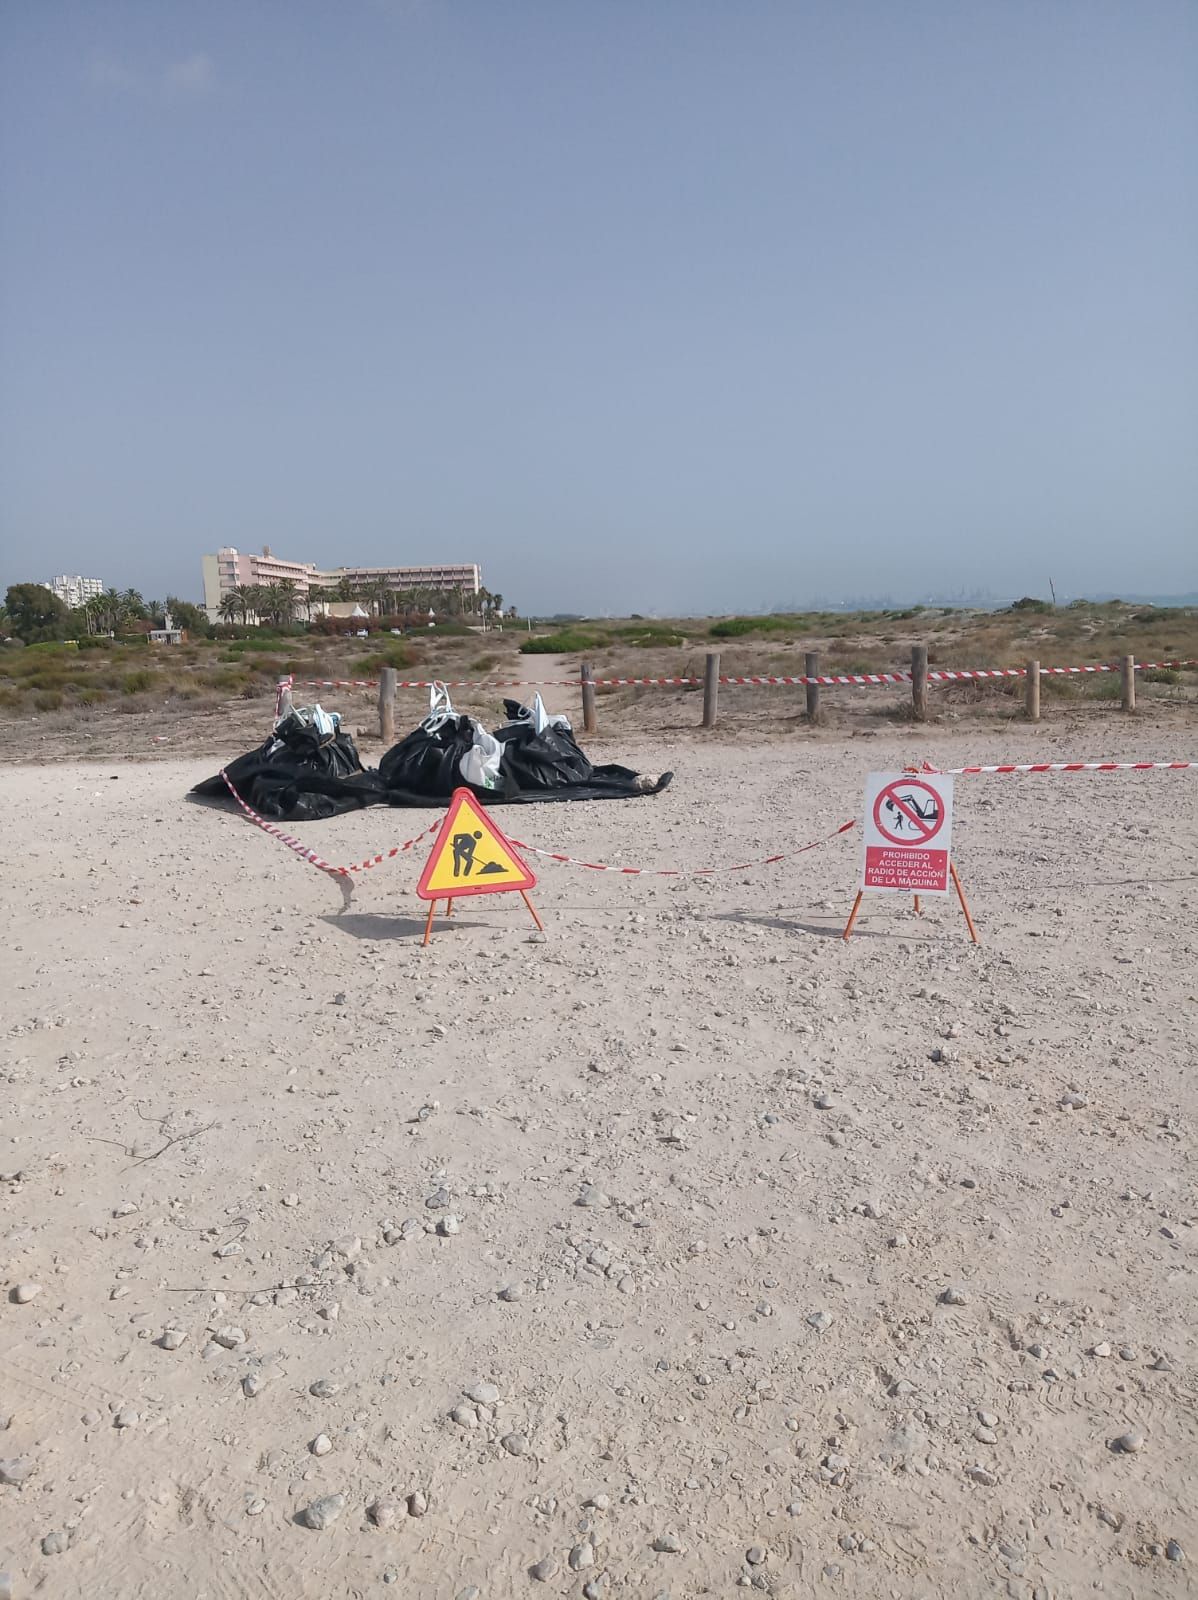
point(310, 856)
point(682, 872)
point(1065, 766)
point(759, 680)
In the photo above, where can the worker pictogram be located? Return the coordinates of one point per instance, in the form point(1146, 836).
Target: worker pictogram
point(471, 855)
point(910, 812)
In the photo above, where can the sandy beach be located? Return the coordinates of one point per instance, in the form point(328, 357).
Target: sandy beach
point(687, 1249)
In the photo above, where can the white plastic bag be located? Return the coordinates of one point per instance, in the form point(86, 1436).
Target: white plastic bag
point(480, 765)
point(440, 708)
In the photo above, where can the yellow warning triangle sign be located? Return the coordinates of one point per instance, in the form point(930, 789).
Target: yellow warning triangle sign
point(471, 855)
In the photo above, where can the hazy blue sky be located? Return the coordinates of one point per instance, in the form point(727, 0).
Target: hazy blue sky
point(644, 304)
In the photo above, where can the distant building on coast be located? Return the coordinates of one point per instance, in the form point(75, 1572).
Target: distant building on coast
point(317, 588)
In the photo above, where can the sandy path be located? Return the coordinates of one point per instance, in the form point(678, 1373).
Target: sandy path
point(668, 1044)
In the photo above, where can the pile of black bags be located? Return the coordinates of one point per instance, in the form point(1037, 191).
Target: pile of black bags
point(310, 768)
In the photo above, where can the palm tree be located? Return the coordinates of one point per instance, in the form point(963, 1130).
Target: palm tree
point(134, 605)
point(345, 587)
point(230, 606)
point(246, 596)
point(375, 593)
point(287, 592)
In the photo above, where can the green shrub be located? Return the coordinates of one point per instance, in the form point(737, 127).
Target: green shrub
point(1162, 675)
point(398, 654)
point(48, 702)
point(91, 696)
point(568, 642)
point(94, 642)
point(137, 682)
point(739, 627)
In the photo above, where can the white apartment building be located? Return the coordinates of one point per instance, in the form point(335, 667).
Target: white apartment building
point(75, 590)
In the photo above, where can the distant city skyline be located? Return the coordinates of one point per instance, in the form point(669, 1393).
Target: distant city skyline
point(676, 307)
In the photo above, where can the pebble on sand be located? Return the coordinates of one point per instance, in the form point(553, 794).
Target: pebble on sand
point(23, 1293)
point(548, 1567)
point(55, 1543)
point(15, 1470)
point(1128, 1443)
point(383, 1512)
point(322, 1513)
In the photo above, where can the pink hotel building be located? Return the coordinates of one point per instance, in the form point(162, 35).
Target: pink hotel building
point(230, 567)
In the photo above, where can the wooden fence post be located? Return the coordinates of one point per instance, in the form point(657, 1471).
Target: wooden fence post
point(711, 689)
point(811, 670)
point(589, 721)
point(1033, 691)
point(919, 681)
point(1128, 675)
point(388, 678)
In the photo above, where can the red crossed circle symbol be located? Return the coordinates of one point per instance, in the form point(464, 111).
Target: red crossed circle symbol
point(917, 822)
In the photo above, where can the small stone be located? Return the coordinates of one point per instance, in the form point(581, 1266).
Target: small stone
point(1128, 1443)
point(1071, 1101)
point(22, 1295)
point(1127, 1353)
point(955, 1296)
point(291, 1200)
point(255, 1507)
point(417, 1503)
point(15, 1470)
point(233, 1248)
point(438, 1200)
point(126, 1417)
point(627, 1284)
point(985, 1435)
point(1163, 1363)
point(449, 1225)
point(514, 1443)
point(982, 1475)
point(464, 1416)
point(470, 1592)
point(988, 1419)
point(582, 1555)
point(754, 1555)
point(324, 1512)
point(668, 1544)
point(511, 1292)
point(383, 1512)
point(1101, 1350)
point(324, 1389)
point(591, 1196)
point(172, 1338)
point(1174, 1552)
point(229, 1337)
point(55, 1543)
point(483, 1394)
point(321, 1445)
point(253, 1383)
point(548, 1567)
point(820, 1321)
point(599, 1502)
point(823, 1102)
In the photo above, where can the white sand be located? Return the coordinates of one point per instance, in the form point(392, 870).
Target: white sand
point(169, 967)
